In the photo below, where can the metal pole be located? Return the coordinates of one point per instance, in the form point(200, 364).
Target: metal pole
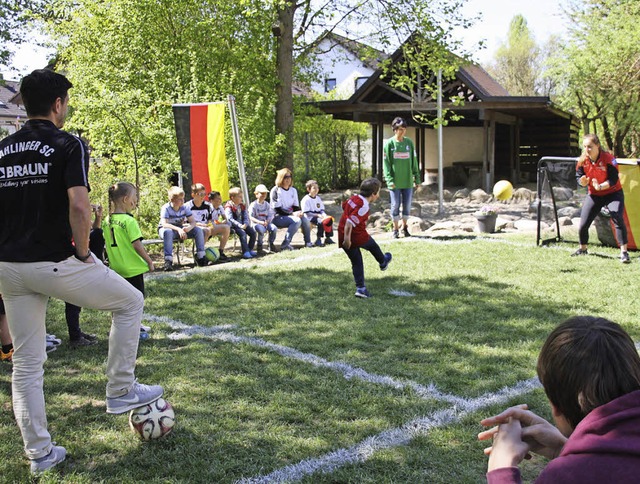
point(236, 141)
point(440, 153)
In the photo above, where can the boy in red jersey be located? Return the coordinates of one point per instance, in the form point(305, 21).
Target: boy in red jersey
point(353, 235)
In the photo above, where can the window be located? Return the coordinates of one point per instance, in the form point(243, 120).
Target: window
point(360, 81)
point(329, 85)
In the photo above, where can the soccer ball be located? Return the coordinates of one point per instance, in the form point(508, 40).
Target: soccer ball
point(503, 190)
point(152, 421)
point(212, 254)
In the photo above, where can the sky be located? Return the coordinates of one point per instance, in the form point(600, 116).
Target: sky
point(543, 17)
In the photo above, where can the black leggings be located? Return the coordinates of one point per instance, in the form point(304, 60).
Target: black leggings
point(591, 208)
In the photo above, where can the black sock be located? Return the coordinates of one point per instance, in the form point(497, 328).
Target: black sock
point(7, 348)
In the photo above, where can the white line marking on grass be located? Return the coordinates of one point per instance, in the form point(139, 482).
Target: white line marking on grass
point(185, 329)
point(396, 292)
point(396, 437)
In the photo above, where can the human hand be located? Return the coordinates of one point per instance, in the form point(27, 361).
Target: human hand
point(595, 184)
point(508, 448)
point(346, 243)
point(583, 181)
point(541, 437)
point(151, 266)
point(182, 234)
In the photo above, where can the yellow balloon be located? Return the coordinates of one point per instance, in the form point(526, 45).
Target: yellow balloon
point(503, 190)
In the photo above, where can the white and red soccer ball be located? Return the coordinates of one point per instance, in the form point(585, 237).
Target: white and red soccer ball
point(152, 421)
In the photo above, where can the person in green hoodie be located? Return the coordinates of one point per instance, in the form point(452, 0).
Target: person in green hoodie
point(401, 173)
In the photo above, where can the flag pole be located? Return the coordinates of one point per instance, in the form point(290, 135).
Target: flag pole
point(236, 141)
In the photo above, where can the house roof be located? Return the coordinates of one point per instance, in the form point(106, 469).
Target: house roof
point(8, 107)
point(369, 56)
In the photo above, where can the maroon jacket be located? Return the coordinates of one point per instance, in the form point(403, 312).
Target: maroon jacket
point(604, 447)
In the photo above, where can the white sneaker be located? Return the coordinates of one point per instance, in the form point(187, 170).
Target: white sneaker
point(57, 455)
point(138, 396)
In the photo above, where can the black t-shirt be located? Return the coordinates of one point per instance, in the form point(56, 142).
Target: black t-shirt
point(37, 166)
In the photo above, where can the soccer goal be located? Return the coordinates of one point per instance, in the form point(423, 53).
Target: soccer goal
point(552, 172)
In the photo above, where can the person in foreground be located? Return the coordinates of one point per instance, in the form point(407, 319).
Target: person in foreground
point(590, 370)
point(353, 235)
point(45, 173)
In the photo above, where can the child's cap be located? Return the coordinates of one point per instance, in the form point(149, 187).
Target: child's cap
point(261, 189)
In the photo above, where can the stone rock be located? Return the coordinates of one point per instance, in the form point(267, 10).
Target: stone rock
point(447, 225)
point(565, 221)
point(479, 195)
point(527, 225)
point(416, 224)
point(416, 210)
point(462, 193)
point(569, 212)
point(562, 194)
point(523, 195)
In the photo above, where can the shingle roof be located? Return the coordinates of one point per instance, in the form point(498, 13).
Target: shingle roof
point(8, 108)
point(479, 79)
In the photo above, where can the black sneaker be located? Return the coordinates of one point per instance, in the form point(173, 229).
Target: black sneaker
point(90, 337)
point(396, 234)
point(168, 266)
point(82, 341)
point(224, 257)
point(328, 241)
point(385, 264)
point(202, 261)
point(405, 232)
point(580, 252)
point(273, 248)
point(624, 258)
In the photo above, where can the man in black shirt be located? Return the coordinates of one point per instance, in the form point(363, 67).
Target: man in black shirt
point(44, 251)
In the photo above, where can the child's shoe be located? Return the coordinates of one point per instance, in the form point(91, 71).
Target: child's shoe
point(6, 356)
point(624, 258)
point(224, 257)
point(202, 261)
point(387, 259)
point(363, 293)
point(405, 232)
point(260, 248)
point(308, 245)
point(328, 241)
point(253, 253)
point(247, 255)
point(286, 247)
point(396, 234)
point(319, 243)
point(168, 266)
point(273, 248)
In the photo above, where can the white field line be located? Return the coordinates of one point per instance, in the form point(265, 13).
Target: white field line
point(396, 437)
point(349, 372)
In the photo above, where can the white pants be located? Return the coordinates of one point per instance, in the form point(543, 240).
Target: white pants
point(25, 288)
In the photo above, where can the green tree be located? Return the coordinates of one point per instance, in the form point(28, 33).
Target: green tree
point(517, 61)
point(598, 71)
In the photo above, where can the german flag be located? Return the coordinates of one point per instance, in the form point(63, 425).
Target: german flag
point(200, 136)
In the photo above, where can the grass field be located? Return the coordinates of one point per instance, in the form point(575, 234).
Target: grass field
point(278, 374)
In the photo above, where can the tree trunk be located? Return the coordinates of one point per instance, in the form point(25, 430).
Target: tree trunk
point(284, 66)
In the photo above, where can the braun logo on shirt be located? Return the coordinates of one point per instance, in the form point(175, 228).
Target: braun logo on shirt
point(24, 171)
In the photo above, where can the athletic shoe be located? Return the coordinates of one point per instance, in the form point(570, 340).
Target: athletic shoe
point(53, 340)
point(168, 266)
point(6, 356)
point(329, 241)
point(260, 248)
point(624, 258)
point(363, 293)
point(82, 341)
point(319, 243)
point(138, 396)
point(580, 252)
point(273, 248)
point(224, 257)
point(308, 245)
point(51, 347)
point(286, 247)
point(57, 455)
point(90, 337)
point(387, 259)
point(396, 234)
point(253, 253)
point(144, 328)
point(405, 232)
point(247, 255)
point(202, 261)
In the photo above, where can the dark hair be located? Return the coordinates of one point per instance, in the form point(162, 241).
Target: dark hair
point(310, 183)
point(587, 362)
point(213, 195)
point(398, 123)
point(40, 89)
point(370, 186)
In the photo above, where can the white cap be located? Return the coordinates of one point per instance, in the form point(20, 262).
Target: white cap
point(261, 189)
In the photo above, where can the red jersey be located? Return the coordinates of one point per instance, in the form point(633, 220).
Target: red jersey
point(597, 170)
point(355, 211)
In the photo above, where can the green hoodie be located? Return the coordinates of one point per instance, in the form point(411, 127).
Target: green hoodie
point(400, 163)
